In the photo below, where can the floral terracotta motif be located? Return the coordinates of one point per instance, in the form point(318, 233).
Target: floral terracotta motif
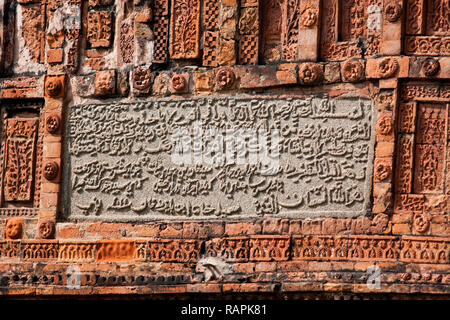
point(225, 78)
point(52, 123)
point(392, 11)
point(46, 229)
point(430, 67)
point(178, 83)
point(51, 170)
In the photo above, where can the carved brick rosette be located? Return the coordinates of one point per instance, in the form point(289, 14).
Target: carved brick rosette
point(105, 82)
point(52, 123)
point(387, 67)
point(46, 229)
point(392, 11)
point(225, 78)
point(310, 73)
point(54, 86)
point(178, 83)
point(430, 67)
point(385, 125)
point(383, 170)
point(352, 70)
point(51, 170)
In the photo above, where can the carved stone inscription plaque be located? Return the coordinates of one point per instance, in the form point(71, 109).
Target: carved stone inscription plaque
point(220, 158)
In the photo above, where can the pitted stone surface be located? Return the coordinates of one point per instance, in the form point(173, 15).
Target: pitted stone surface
point(121, 165)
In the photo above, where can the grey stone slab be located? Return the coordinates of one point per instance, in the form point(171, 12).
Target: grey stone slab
point(120, 163)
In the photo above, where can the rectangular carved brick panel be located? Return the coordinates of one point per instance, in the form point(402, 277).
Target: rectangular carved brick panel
point(438, 22)
point(33, 31)
point(407, 117)
point(429, 169)
point(19, 157)
point(269, 248)
point(116, 250)
point(174, 250)
point(161, 7)
point(99, 33)
point(231, 249)
point(414, 16)
point(249, 49)
point(161, 32)
point(405, 155)
point(185, 29)
point(76, 251)
point(9, 249)
point(321, 177)
point(431, 124)
point(211, 10)
point(39, 250)
point(291, 21)
point(407, 203)
point(210, 46)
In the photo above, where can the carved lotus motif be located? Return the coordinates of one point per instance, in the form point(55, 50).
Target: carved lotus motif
point(52, 123)
point(225, 78)
point(51, 170)
point(53, 87)
point(178, 83)
point(392, 11)
point(387, 67)
point(384, 125)
point(310, 73)
point(382, 171)
point(430, 67)
point(352, 70)
point(46, 229)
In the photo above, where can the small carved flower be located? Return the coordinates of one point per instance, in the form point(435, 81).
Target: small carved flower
point(51, 170)
point(392, 11)
point(309, 17)
point(352, 70)
point(225, 78)
point(384, 125)
point(53, 87)
point(387, 67)
point(310, 73)
point(52, 122)
point(46, 229)
point(421, 223)
point(178, 82)
point(382, 171)
point(430, 67)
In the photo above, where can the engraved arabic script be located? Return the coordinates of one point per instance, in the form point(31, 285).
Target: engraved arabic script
point(121, 158)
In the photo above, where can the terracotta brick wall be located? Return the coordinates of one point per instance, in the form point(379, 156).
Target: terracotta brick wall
point(57, 57)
